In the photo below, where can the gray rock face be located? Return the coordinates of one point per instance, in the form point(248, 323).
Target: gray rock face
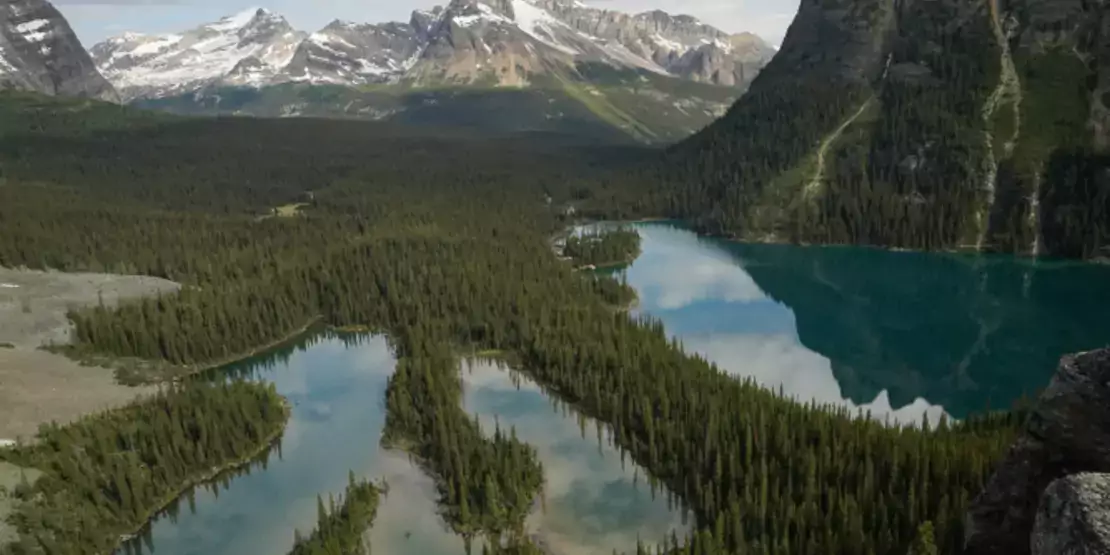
point(680, 44)
point(40, 52)
point(1074, 517)
point(1067, 433)
point(349, 53)
point(838, 40)
point(424, 22)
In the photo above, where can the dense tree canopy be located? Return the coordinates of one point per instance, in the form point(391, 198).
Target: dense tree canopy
point(104, 476)
point(446, 247)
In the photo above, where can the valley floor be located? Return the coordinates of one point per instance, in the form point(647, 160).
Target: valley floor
point(37, 386)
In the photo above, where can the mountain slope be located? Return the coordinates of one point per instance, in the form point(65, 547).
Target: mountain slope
point(921, 124)
point(549, 66)
point(489, 42)
point(39, 52)
point(613, 106)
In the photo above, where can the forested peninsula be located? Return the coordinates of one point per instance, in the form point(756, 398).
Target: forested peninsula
point(442, 243)
point(103, 477)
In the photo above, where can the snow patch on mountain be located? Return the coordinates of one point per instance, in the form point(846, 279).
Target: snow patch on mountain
point(237, 21)
point(33, 30)
point(485, 14)
point(621, 54)
point(6, 67)
point(156, 44)
point(539, 25)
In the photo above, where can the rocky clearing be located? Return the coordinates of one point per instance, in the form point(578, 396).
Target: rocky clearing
point(36, 386)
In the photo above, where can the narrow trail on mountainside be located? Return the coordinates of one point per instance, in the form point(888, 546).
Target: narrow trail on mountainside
point(814, 184)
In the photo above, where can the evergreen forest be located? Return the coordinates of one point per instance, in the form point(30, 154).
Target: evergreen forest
point(942, 125)
point(611, 247)
point(103, 477)
point(444, 244)
point(341, 525)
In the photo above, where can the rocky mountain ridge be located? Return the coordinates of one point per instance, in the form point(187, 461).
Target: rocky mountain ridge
point(40, 52)
point(467, 42)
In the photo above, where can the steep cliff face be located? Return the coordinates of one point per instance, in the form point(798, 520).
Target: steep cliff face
point(488, 42)
point(931, 124)
point(39, 52)
point(1068, 433)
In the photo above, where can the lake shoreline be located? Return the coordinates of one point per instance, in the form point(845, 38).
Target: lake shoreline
point(265, 445)
point(512, 365)
point(967, 250)
point(144, 372)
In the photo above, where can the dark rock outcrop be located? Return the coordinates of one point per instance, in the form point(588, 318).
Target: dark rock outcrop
point(40, 52)
point(1074, 517)
point(1068, 433)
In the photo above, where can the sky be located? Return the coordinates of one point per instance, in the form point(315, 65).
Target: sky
point(95, 20)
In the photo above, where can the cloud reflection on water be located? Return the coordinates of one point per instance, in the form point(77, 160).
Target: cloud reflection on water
point(593, 503)
point(336, 391)
point(706, 299)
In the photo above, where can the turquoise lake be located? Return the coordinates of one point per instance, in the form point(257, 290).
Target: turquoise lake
point(899, 333)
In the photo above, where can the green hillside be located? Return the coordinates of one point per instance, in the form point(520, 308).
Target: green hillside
point(600, 104)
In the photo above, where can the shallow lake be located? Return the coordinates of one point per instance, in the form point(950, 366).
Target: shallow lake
point(336, 385)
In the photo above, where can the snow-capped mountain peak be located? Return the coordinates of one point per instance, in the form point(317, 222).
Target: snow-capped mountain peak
point(506, 41)
point(239, 20)
point(247, 48)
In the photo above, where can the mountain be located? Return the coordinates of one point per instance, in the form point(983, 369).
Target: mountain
point(39, 52)
point(655, 77)
point(248, 48)
point(940, 124)
point(502, 42)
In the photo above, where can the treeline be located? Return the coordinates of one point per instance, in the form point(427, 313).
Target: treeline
point(603, 247)
point(104, 476)
point(486, 484)
point(445, 248)
point(912, 175)
point(916, 142)
point(341, 525)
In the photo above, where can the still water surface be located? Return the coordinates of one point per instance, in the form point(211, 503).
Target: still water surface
point(899, 333)
point(595, 502)
point(337, 387)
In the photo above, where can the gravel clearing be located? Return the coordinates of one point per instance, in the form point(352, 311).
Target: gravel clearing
point(36, 386)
